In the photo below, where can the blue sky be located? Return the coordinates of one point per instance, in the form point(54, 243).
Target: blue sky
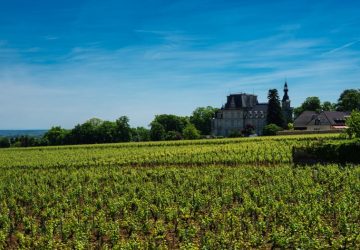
point(63, 62)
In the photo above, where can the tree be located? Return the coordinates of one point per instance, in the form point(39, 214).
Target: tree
point(311, 103)
point(271, 129)
point(140, 134)
point(298, 111)
point(328, 106)
point(56, 136)
point(4, 142)
point(274, 112)
point(95, 122)
point(106, 132)
point(349, 100)
point(26, 141)
point(92, 131)
point(353, 123)
point(157, 131)
point(171, 122)
point(201, 118)
point(190, 132)
point(85, 133)
point(122, 129)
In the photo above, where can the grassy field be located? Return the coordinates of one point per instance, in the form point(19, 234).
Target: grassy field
point(207, 194)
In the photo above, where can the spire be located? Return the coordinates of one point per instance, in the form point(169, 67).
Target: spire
point(286, 90)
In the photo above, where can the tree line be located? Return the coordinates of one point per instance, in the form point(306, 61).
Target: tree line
point(173, 127)
point(163, 127)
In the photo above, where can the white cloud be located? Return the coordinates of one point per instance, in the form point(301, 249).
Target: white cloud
point(342, 47)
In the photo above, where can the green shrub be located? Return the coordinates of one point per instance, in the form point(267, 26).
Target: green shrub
point(4, 142)
point(290, 126)
point(190, 132)
point(173, 136)
point(248, 130)
point(271, 129)
point(235, 134)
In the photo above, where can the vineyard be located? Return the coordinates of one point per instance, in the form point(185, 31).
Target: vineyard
point(261, 151)
point(206, 194)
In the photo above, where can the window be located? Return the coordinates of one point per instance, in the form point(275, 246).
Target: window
point(317, 121)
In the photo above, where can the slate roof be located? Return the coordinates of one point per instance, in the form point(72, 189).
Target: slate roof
point(324, 118)
point(336, 117)
point(237, 101)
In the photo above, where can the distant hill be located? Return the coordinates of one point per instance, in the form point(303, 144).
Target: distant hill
point(15, 133)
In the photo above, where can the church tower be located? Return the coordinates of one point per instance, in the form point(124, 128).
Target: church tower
point(287, 110)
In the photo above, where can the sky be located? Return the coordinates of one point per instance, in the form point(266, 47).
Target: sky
point(64, 62)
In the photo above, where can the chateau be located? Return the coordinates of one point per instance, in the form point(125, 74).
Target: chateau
point(242, 110)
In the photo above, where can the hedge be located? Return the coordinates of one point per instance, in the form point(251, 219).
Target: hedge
point(342, 152)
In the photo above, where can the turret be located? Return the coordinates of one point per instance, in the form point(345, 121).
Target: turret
point(286, 109)
point(286, 90)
